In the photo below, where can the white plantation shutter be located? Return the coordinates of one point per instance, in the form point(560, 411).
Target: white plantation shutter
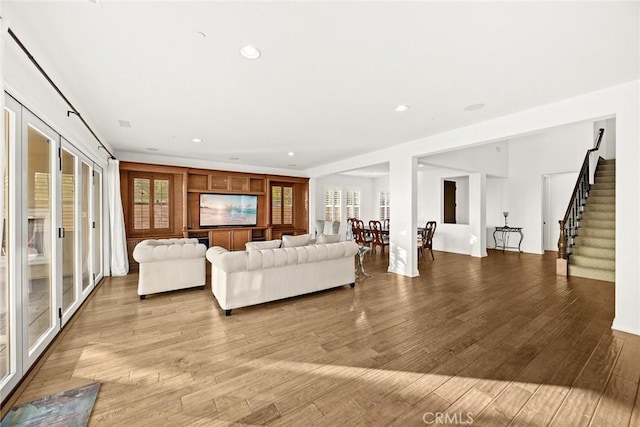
point(332, 203)
point(384, 205)
point(353, 203)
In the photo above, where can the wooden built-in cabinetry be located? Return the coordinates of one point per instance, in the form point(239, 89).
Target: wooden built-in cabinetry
point(184, 205)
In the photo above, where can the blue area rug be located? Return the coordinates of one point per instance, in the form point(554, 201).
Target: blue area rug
point(70, 408)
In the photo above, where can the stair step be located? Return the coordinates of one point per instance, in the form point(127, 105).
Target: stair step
point(611, 200)
point(607, 161)
point(606, 166)
point(597, 224)
point(606, 178)
point(605, 172)
point(604, 186)
point(600, 207)
point(605, 233)
point(599, 215)
point(607, 192)
point(594, 252)
point(598, 242)
point(586, 261)
point(592, 273)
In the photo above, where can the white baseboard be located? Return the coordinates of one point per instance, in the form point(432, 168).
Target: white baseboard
point(624, 328)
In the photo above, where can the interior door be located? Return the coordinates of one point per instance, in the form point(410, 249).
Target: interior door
point(449, 202)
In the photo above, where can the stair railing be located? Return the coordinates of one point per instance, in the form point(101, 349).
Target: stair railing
point(569, 224)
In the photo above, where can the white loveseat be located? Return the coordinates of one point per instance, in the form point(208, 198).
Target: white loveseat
point(169, 264)
point(243, 278)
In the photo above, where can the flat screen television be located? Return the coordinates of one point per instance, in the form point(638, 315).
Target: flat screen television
point(217, 210)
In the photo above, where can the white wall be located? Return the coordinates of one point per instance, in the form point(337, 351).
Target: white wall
point(556, 151)
point(449, 237)
point(556, 194)
point(343, 182)
point(496, 204)
point(379, 184)
point(608, 144)
point(490, 158)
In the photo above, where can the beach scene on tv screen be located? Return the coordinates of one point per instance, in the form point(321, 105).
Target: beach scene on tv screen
point(221, 209)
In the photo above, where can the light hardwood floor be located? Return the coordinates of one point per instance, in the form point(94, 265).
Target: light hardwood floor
point(499, 340)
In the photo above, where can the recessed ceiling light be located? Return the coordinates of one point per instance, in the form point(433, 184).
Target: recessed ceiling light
point(124, 123)
point(234, 158)
point(420, 165)
point(473, 107)
point(152, 149)
point(196, 140)
point(401, 108)
point(292, 165)
point(291, 154)
point(250, 52)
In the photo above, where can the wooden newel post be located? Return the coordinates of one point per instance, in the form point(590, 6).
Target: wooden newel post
point(562, 242)
point(561, 263)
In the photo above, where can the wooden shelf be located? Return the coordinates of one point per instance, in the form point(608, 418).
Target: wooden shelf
point(200, 230)
point(250, 193)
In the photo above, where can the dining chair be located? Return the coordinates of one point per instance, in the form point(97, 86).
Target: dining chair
point(378, 238)
point(359, 234)
point(385, 224)
point(426, 240)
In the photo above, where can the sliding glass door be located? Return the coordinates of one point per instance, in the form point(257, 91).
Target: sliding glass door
point(10, 337)
point(98, 255)
point(86, 261)
point(77, 265)
point(70, 279)
point(39, 233)
point(51, 229)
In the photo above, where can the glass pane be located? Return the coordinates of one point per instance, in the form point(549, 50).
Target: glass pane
point(38, 239)
point(161, 203)
point(287, 208)
point(4, 256)
point(141, 203)
point(68, 223)
point(86, 230)
point(97, 215)
point(276, 204)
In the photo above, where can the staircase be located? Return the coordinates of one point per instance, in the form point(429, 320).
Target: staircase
point(593, 252)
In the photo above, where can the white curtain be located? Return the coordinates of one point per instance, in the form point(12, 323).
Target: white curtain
point(119, 259)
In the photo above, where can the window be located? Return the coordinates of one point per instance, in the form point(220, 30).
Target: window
point(151, 202)
point(353, 203)
point(281, 204)
point(332, 203)
point(384, 205)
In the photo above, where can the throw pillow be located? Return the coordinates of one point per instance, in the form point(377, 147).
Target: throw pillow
point(327, 238)
point(295, 241)
point(258, 246)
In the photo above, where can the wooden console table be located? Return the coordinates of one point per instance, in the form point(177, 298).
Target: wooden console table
point(505, 237)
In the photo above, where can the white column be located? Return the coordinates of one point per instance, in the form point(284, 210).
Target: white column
point(403, 258)
point(313, 194)
point(627, 220)
point(478, 214)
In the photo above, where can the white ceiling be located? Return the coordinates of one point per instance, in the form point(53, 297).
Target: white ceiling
point(373, 171)
point(330, 74)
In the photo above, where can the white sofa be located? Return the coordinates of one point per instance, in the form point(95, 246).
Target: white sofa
point(169, 264)
point(244, 278)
